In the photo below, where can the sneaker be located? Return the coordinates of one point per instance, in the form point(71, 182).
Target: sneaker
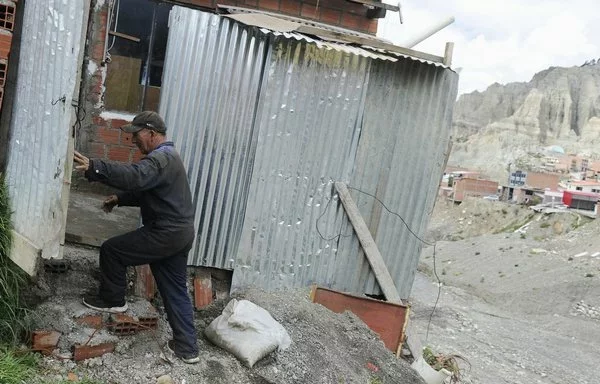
point(186, 358)
point(99, 304)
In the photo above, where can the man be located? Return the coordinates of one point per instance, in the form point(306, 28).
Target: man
point(158, 184)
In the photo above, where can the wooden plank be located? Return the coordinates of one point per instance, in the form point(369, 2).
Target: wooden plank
point(371, 42)
point(366, 240)
point(377, 4)
point(124, 36)
point(388, 320)
point(448, 54)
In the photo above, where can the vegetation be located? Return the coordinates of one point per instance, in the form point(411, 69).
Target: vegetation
point(13, 314)
point(16, 369)
point(447, 362)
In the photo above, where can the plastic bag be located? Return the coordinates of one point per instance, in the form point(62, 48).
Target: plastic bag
point(247, 331)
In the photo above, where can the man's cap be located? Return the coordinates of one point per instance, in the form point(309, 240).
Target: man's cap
point(147, 119)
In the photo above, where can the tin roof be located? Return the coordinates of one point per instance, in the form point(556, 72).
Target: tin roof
point(329, 36)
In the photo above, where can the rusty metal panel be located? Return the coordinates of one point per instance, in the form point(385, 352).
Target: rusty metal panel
point(211, 82)
point(53, 35)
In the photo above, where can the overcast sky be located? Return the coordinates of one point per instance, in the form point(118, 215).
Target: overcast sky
point(502, 40)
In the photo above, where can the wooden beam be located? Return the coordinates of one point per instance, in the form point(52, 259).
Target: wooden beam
point(124, 36)
point(448, 54)
point(371, 42)
point(377, 4)
point(368, 244)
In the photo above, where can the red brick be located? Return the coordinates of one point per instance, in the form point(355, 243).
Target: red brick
point(5, 44)
point(310, 11)
point(108, 135)
point(83, 352)
point(290, 7)
point(97, 120)
point(97, 150)
point(126, 139)
point(373, 27)
point(119, 153)
point(137, 156)
point(92, 321)
point(350, 21)
point(118, 123)
point(44, 341)
point(144, 282)
point(251, 3)
point(272, 5)
point(330, 16)
point(203, 294)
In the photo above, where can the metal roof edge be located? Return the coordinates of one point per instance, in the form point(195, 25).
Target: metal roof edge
point(334, 37)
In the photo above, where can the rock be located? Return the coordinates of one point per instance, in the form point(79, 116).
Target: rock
point(165, 379)
point(502, 124)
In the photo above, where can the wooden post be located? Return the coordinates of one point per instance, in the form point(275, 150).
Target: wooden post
point(368, 244)
point(377, 264)
point(448, 54)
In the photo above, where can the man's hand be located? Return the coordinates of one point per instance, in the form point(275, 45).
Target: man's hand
point(110, 203)
point(84, 162)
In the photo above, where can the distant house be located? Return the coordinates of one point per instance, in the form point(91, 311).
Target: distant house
point(581, 200)
point(473, 187)
point(589, 186)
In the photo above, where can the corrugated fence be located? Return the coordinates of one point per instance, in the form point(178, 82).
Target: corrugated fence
point(41, 119)
point(267, 122)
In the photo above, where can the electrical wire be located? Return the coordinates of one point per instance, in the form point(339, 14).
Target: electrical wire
point(439, 282)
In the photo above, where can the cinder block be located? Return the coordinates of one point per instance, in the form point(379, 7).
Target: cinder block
point(7, 15)
point(3, 72)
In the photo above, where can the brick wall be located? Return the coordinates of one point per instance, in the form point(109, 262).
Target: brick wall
point(340, 13)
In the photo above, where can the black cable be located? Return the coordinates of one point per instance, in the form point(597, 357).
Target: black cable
point(422, 241)
point(336, 237)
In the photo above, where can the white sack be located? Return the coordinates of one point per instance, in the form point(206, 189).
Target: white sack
point(247, 331)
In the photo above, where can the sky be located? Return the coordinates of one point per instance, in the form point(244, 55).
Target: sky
point(501, 40)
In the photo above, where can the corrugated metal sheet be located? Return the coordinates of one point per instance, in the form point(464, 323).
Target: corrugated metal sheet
point(400, 160)
point(41, 122)
point(303, 116)
point(208, 99)
point(308, 131)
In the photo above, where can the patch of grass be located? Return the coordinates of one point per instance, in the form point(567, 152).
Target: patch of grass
point(13, 315)
point(516, 225)
point(544, 225)
point(15, 369)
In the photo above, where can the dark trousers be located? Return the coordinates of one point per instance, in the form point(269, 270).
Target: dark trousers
point(166, 251)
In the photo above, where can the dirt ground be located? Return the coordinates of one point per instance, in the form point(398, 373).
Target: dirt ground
point(522, 307)
point(326, 347)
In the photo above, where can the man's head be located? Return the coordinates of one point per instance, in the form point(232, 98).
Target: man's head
point(148, 131)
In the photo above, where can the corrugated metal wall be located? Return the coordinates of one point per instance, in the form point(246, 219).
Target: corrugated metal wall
point(41, 123)
point(400, 160)
point(308, 133)
point(264, 149)
point(208, 99)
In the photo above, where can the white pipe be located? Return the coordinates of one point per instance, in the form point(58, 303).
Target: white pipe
point(428, 32)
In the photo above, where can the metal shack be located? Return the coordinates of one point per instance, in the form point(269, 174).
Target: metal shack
point(267, 119)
